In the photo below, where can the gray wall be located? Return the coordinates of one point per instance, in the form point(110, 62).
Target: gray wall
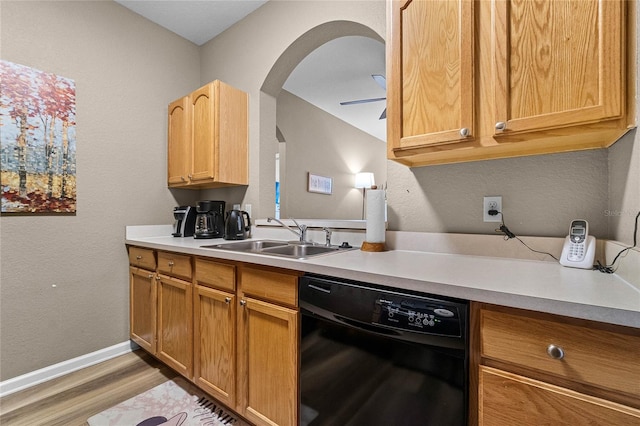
point(320, 143)
point(126, 71)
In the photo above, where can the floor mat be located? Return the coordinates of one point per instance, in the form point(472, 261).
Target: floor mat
point(173, 403)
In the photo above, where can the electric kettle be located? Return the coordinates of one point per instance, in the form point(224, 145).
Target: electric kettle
point(237, 225)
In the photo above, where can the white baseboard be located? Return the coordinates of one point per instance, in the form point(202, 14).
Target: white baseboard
point(51, 372)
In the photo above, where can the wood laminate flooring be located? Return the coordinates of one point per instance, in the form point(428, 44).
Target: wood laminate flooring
point(70, 400)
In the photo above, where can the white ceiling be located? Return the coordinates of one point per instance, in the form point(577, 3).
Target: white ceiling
point(337, 71)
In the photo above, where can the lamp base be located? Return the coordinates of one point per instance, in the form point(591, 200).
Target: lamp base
point(376, 247)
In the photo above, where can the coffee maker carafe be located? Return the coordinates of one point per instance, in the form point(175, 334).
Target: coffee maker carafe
point(210, 219)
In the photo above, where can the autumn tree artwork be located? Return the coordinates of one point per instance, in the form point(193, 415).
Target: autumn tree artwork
point(37, 141)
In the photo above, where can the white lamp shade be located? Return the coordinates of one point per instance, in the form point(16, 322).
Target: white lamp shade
point(365, 180)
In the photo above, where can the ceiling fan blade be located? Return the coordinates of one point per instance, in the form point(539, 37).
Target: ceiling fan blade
point(383, 115)
point(382, 82)
point(362, 101)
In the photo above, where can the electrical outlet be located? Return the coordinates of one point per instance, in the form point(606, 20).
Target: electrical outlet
point(492, 203)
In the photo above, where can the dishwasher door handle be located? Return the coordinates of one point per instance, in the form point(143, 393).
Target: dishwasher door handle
point(324, 290)
point(372, 328)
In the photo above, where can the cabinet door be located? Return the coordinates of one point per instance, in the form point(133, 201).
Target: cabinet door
point(215, 343)
point(558, 63)
point(267, 363)
point(175, 324)
point(508, 399)
point(142, 308)
point(179, 143)
point(429, 73)
point(203, 104)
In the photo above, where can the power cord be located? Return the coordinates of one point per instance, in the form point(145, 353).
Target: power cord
point(609, 269)
point(509, 235)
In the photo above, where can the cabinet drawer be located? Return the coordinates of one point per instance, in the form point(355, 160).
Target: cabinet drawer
point(216, 275)
point(173, 264)
point(142, 258)
point(269, 285)
point(509, 399)
point(592, 356)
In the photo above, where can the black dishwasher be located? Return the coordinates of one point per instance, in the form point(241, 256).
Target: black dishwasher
point(372, 355)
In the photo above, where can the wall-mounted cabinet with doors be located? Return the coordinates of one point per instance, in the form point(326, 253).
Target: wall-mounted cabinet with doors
point(472, 80)
point(208, 138)
point(229, 327)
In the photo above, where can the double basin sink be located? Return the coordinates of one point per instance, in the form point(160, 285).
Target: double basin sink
point(291, 250)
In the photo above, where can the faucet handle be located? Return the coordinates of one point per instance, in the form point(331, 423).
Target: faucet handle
point(303, 233)
point(327, 235)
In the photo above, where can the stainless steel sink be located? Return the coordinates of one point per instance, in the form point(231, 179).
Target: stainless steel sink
point(292, 250)
point(248, 245)
point(299, 251)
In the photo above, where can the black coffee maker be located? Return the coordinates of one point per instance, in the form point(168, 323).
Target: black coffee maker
point(185, 217)
point(209, 219)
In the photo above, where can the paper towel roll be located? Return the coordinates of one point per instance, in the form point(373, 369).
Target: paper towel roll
point(375, 216)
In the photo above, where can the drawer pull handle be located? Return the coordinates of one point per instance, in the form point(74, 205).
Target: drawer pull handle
point(227, 300)
point(555, 352)
point(138, 257)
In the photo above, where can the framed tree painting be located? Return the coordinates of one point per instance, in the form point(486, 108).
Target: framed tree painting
point(37, 141)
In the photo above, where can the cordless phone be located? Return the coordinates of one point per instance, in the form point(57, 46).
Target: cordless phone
point(579, 248)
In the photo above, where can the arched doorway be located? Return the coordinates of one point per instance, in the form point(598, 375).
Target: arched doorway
point(273, 85)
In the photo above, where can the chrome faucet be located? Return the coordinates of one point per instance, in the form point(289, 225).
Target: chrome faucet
point(300, 233)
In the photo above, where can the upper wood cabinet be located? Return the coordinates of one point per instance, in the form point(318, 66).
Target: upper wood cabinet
point(429, 74)
point(179, 146)
point(208, 138)
point(472, 80)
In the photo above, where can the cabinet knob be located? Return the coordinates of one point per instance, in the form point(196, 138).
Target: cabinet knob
point(150, 276)
point(190, 176)
point(183, 178)
point(157, 277)
point(555, 352)
point(171, 263)
point(464, 132)
point(227, 300)
point(138, 257)
point(243, 302)
point(501, 126)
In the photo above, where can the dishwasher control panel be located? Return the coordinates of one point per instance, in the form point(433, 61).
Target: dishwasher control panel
point(417, 315)
point(410, 316)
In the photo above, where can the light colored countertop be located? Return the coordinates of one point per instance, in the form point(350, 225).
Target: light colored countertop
point(528, 284)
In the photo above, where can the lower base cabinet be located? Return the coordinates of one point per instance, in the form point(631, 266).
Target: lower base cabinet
point(142, 308)
point(175, 329)
point(511, 399)
point(268, 346)
point(543, 369)
point(215, 343)
point(230, 328)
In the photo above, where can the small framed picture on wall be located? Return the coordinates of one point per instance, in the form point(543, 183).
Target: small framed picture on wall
point(319, 184)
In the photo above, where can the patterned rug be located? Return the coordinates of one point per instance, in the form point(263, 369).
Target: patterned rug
point(173, 403)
